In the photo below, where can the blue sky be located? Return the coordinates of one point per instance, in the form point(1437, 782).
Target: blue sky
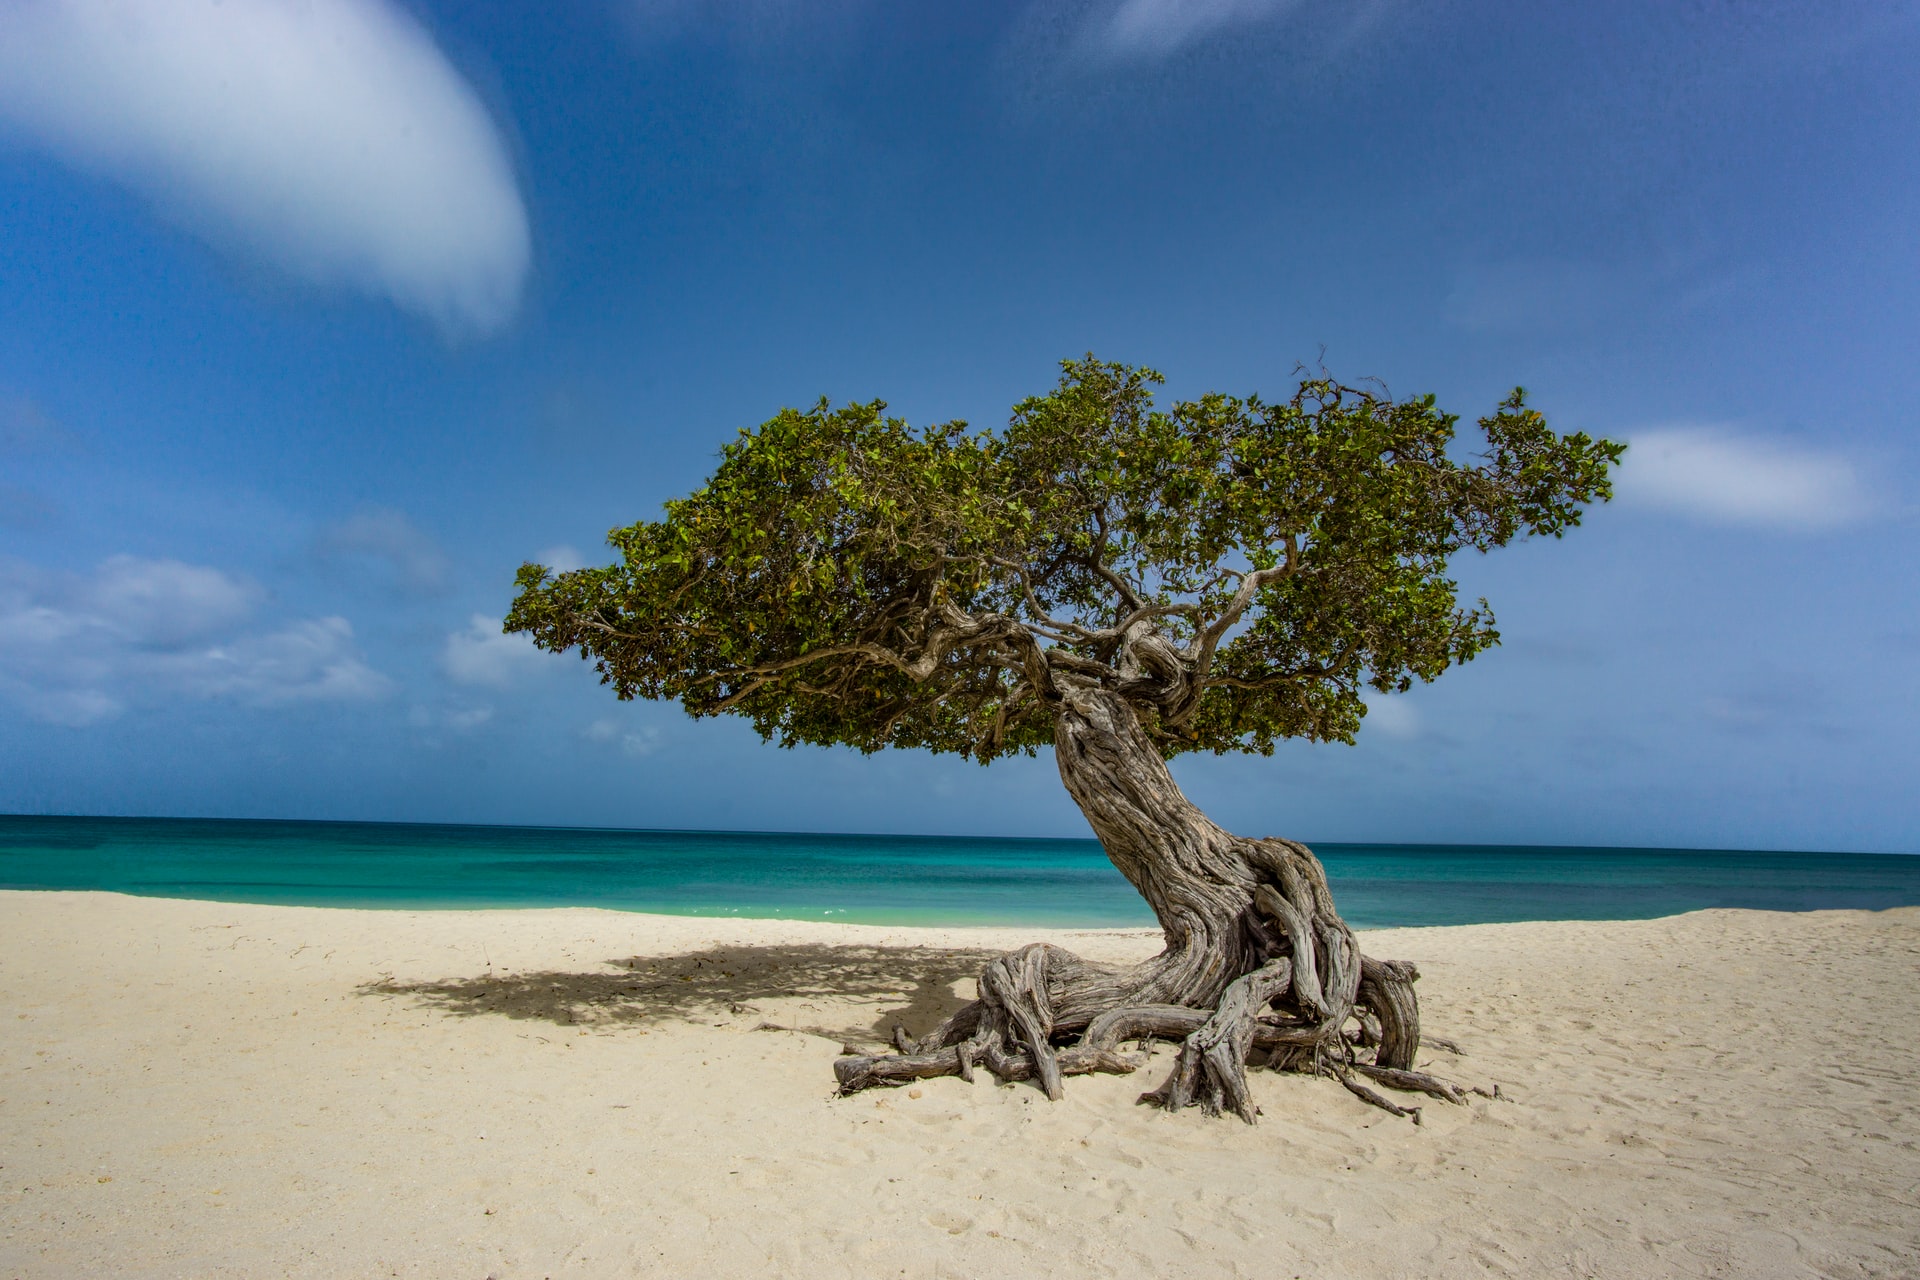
point(316, 319)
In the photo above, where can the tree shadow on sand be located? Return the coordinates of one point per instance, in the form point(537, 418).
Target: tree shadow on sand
point(916, 985)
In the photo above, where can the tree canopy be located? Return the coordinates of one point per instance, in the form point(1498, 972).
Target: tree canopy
point(1237, 570)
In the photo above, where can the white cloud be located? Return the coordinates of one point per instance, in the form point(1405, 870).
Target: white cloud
point(164, 603)
point(309, 661)
point(481, 654)
point(77, 649)
point(386, 535)
point(330, 138)
point(1723, 477)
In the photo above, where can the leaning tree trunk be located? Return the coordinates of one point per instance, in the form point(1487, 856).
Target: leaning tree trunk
point(1258, 965)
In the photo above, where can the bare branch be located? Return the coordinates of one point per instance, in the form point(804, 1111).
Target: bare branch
point(1118, 583)
point(959, 630)
point(1043, 620)
point(1148, 612)
point(1096, 561)
point(1201, 650)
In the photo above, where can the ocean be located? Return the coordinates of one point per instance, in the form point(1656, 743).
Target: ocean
point(885, 879)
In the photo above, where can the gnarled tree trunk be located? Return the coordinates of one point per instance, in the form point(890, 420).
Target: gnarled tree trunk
point(1258, 965)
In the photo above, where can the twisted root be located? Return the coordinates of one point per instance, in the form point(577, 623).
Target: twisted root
point(1296, 996)
point(1015, 1033)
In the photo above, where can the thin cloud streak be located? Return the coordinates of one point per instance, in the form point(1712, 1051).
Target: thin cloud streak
point(751, 26)
point(329, 138)
point(383, 536)
point(1141, 29)
point(1721, 477)
point(27, 429)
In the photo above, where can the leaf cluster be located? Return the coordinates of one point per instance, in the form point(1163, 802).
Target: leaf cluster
point(1239, 570)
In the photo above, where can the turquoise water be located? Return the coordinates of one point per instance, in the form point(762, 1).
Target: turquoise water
point(884, 879)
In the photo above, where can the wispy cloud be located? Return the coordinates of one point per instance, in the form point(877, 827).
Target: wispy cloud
point(1146, 29)
point(462, 719)
point(23, 508)
point(28, 432)
point(1725, 477)
point(27, 429)
point(330, 138)
point(479, 654)
point(1061, 52)
point(641, 742)
point(1531, 295)
point(389, 539)
point(748, 25)
point(80, 648)
point(1393, 716)
point(561, 559)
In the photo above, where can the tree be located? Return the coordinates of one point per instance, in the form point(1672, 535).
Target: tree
point(1124, 584)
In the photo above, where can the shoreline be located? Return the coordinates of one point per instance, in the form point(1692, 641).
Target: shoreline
point(211, 1088)
point(662, 927)
point(909, 836)
point(838, 917)
point(920, 881)
point(835, 916)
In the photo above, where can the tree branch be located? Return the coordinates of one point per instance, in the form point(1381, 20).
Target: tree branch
point(1204, 644)
point(1042, 617)
point(960, 631)
point(1096, 561)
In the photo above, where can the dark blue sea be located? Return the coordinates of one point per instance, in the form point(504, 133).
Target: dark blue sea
point(885, 879)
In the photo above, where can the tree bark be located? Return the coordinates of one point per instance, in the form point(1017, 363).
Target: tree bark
point(1257, 961)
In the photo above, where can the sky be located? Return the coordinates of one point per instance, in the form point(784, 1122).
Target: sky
point(317, 318)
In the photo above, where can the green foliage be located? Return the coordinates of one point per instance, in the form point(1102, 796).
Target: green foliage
point(1239, 570)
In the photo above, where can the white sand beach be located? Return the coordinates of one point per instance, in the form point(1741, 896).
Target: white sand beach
point(203, 1089)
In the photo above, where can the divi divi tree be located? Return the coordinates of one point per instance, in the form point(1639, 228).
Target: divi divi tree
point(1122, 584)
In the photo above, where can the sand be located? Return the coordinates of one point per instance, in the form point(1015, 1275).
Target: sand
point(204, 1089)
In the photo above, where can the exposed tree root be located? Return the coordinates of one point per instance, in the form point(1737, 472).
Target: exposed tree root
point(1367, 1095)
point(1212, 1067)
point(1016, 1032)
point(1412, 1082)
point(1386, 989)
point(1258, 969)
